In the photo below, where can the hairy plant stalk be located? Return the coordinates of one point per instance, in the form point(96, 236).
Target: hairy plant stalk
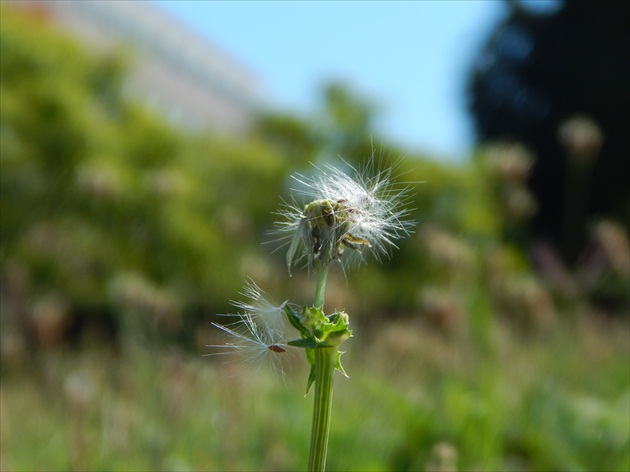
point(324, 371)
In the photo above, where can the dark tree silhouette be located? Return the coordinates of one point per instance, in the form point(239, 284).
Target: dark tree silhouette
point(559, 82)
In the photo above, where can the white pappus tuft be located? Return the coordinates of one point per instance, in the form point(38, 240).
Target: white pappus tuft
point(259, 305)
point(259, 331)
point(348, 215)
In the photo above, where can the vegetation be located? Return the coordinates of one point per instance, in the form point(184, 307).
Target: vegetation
point(121, 237)
point(414, 398)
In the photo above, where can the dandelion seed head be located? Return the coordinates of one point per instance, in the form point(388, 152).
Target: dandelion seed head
point(349, 215)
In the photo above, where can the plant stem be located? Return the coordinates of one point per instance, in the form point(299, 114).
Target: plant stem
point(324, 372)
point(320, 291)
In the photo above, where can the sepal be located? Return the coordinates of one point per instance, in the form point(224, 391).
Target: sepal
point(319, 331)
point(338, 365)
point(311, 379)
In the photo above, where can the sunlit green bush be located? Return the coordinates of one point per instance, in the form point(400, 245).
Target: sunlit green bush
point(94, 188)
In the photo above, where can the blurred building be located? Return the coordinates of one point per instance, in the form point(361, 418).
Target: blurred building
point(195, 84)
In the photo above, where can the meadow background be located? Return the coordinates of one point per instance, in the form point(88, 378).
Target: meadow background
point(122, 237)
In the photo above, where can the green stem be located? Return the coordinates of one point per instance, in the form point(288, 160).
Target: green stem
point(324, 372)
point(320, 291)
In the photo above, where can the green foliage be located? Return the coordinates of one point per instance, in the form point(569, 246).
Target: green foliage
point(93, 187)
point(95, 190)
point(415, 400)
point(290, 135)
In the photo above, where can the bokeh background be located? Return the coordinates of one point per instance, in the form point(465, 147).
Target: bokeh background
point(141, 166)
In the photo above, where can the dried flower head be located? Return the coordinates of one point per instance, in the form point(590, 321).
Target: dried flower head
point(346, 216)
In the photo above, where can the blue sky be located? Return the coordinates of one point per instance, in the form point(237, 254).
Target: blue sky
point(408, 58)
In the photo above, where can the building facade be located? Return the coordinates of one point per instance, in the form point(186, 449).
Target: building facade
point(174, 71)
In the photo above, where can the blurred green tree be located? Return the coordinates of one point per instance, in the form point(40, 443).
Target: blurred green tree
point(111, 209)
point(94, 188)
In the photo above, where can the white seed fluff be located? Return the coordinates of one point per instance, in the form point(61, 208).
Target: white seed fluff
point(375, 206)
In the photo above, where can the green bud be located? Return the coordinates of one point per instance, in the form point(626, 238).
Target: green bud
point(319, 331)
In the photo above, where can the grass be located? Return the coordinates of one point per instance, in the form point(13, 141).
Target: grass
point(417, 399)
